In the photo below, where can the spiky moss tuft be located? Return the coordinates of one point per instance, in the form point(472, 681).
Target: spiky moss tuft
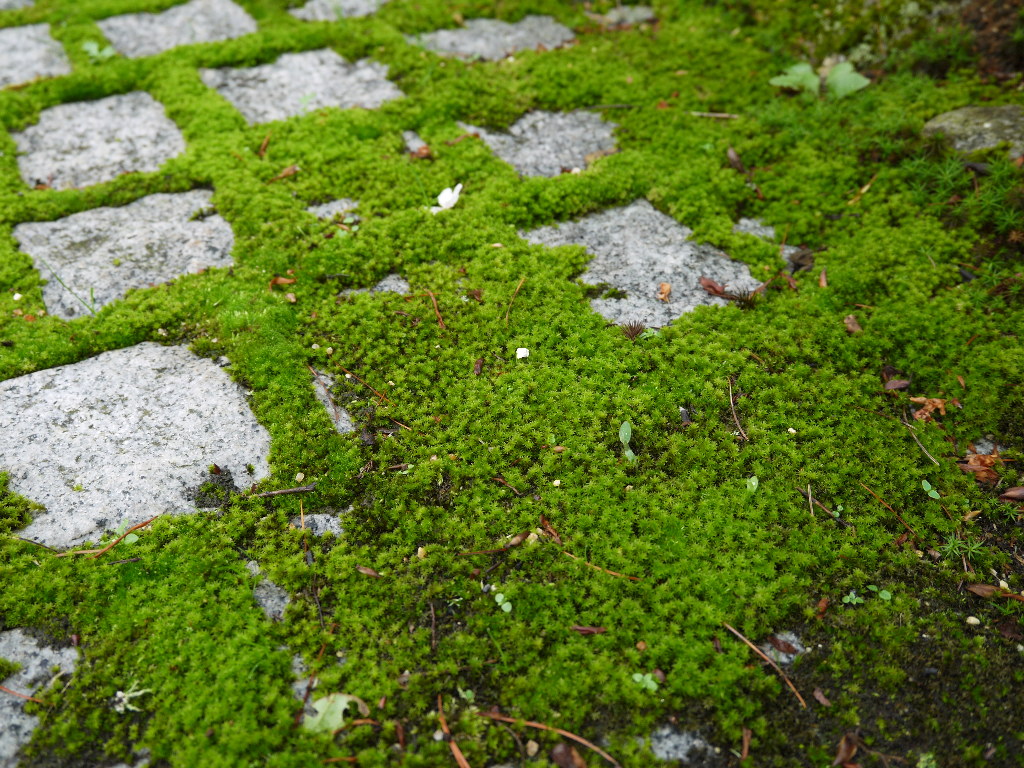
point(454, 461)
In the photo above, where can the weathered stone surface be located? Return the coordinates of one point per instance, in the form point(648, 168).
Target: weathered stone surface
point(333, 209)
point(298, 83)
point(389, 284)
point(200, 21)
point(37, 661)
point(123, 436)
point(270, 597)
point(784, 657)
point(413, 142)
point(95, 257)
point(89, 142)
point(491, 40)
point(10, 5)
point(319, 523)
point(974, 128)
point(765, 231)
point(629, 14)
point(322, 384)
point(636, 249)
point(548, 143)
point(29, 52)
point(332, 10)
point(683, 746)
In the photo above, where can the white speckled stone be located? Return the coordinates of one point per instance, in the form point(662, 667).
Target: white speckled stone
point(322, 384)
point(89, 142)
point(298, 83)
point(270, 597)
point(29, 52)
point(491, 40)
point(333, 208)
point(99, 255)
point(636, 248)
point(134, 430)
point(548, 143)
point(332, 10)
point(200, 21)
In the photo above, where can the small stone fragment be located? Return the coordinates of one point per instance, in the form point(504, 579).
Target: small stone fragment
point(971, 129)
point(973, 621)
point(333, 209)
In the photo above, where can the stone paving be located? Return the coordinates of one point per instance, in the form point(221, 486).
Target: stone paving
point(137, 428)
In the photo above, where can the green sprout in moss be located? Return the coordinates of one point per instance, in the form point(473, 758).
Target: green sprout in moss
point(885, 594)
point(625, 435)
point(645, 680)
point(928, 488)
point(970, 549)
point(853, 598)
point(503, 602)
point(96, 54)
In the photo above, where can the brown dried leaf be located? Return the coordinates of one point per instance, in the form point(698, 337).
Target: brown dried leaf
point(896, 384)
point(821, 697)
point(963, 384)
point(1012, 494)
point(588, 630)
point(463, 137)
point(823, 280)
point(291, 170)
point(1010, 629)
point(709, 285)
point(516, 540)
point(291, 298)
point(367, 571)
point(984, 590)
point(852, 326)
point(847, 748)
point(664, 291)
point(214, 469)
point(280, 281)
point(478, 366)
point(641, 646)
point(929, 406)
point(735, 162)
point(565, 756)
point(658, 675)
point(822, 607)
point(662, 104)
point(422, 153)
point(549, 529)
point(263, 146)
point(781, 645)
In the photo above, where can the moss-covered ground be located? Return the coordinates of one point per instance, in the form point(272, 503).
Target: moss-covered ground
point(459, 454)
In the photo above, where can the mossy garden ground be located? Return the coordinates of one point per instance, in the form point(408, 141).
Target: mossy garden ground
point(457, 453)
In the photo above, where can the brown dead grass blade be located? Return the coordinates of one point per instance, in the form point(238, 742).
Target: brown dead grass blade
point(775, 666)
point(578, 739)
point(460, 759)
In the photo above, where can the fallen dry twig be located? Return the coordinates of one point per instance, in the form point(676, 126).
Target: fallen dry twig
point(578, 739)
point(775, 666)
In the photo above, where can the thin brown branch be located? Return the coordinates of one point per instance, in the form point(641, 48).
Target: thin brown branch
point(437, 311)
point(97, 552)
point(29, 541)
point(285, 491)
point(433, 627)
point(503, 482)
point(599, 568)
point(880, 499)
point(822, 507)
point(514, 294)
point(460, 759)
point(382, 396)
point(21, 695)
point(925, 450)
point(716, 115)
point(578, 739)
point(775, 666)
point(732, 407)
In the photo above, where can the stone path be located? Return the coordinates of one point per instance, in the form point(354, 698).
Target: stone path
point(132, 433)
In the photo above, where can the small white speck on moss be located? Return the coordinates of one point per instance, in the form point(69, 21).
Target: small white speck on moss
point(973, 621)
point(522, 352)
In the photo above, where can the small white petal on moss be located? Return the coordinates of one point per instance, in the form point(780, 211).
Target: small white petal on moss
point(522, 352)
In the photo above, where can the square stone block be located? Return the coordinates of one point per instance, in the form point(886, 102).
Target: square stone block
point(29, 52)
point(200, 21)
point(95, 257)
point(298, 83)
point(491, 40)
point(332, 10)
point(89, 142)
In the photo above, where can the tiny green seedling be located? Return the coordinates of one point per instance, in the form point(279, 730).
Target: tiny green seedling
point(505, 604)
point(131, 538)
point(466, 694)
point(96, 54)
point(645, 680)
point(885, 594)
point(752, 483)
point(625, 435)
point(928, 488)
point(841, 81)
point(853, 598)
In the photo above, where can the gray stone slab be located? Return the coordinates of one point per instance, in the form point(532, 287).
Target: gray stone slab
point(757, 228)
point(95, 257)
point(491, 40)
point(970, 129)
point(332, 209)
point(667, 743)
point(200, 21)
point(319, 523)
point(89, 142)
point(629, 14)
point(123, 436)
point(322, 385)
point(549, 143)
point(389, 284)
point(270, 597)
point(29, 52)
point(784, 657)
point(10, 5)
point(332, 10)
point(37, 662)
point(298, 83)
point(636, 249)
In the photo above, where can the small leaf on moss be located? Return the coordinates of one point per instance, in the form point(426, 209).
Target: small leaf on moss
point(799, 77)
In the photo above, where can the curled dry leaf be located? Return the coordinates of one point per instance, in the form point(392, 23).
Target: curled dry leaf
point(280, 281)
point(478, 366)
point(709, 285)
point(735, 161)
point(823, 279)
point(981, 466)
point(928, 406)
point(822, 607)
point(781, 645)
point(588, 630)
point(821, 697)
point(983, 590)
point(847, 748)
point(516, 540)
point(565, 756)
point(291, 170)
point(852, 326)
point(664, 291)
point(896, 384)
point(367, 571)
point(1012, 494)
point(658, 675)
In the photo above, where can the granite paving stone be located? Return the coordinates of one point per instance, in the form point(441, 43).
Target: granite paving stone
point(549, 143)
point(95, 257)
point(123, 436)
point(492, 40)
point(636, 249)
point(90, 142)
point(333, 208)
point(332, 10)
point(11, 5)
point(29, 52)
point(199, 21)
point(298, 83)
point(975, 128)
